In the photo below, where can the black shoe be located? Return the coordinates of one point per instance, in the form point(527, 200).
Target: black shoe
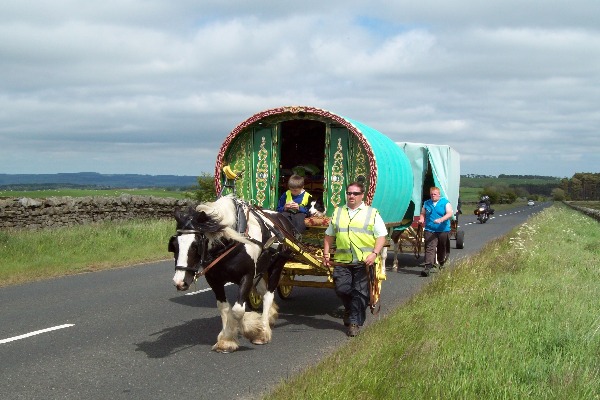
point(426, 270)
point(346, 317)
point(353, 330)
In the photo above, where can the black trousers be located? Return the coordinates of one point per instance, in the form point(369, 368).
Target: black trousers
point(436, 244)
point(352, 287)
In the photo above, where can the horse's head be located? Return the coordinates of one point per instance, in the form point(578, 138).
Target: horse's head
point(191, 244)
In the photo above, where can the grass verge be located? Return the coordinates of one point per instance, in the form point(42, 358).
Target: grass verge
point(519, 321)
point(32, 255)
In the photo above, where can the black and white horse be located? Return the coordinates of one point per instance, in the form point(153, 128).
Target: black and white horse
point(230, 241)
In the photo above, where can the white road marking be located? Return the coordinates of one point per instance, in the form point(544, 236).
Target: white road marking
point(35, 333)
point(499, 215)
point(204, 290)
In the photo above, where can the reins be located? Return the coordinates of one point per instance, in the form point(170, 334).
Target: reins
point(216, 260)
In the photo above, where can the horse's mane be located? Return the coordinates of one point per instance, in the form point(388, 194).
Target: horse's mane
point(223, 212)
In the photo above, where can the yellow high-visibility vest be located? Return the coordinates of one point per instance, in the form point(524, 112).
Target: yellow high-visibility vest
point(353, 234)
point(305, 198)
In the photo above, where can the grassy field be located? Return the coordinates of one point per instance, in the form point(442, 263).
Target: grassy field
point(482, 182)
point(518, 321)
point(33, 255)
point(42, 194)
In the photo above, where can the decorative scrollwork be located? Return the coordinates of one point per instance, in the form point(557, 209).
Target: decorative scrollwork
point(337, 175)
point(262, 173)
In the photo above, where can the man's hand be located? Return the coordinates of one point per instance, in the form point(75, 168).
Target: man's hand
point(370, 260)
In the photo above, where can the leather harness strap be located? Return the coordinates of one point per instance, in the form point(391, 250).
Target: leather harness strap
point(216, 260)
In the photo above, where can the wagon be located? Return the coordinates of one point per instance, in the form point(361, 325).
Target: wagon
point(330, 151)
point(432, 165)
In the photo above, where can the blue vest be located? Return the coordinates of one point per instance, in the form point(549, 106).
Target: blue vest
point(432, 213)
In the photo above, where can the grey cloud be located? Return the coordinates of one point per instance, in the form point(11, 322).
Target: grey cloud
point(155, 87)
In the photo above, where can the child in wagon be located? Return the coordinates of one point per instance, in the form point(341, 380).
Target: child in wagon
point(294, 203)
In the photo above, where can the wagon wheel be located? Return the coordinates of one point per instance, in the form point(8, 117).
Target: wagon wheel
point(460, 239)
point(419, 241)
point(284, 291)
point(255, 299)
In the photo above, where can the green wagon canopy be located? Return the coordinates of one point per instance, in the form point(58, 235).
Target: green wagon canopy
point(328, 149)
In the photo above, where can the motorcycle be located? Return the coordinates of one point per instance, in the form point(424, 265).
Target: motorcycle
point(483, 213)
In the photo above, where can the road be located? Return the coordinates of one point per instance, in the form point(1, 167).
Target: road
point(127, 334)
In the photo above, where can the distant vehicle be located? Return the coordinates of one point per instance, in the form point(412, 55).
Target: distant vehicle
point(530, 203)
point(483, 212)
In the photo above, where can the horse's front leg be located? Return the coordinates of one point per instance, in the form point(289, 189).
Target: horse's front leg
point(227, 340)
point(252, 325)
point(269, 314)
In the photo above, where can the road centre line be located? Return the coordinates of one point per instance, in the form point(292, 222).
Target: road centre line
point(35, 333)
point(204, 290)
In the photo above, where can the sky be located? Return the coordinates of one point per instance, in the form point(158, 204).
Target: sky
point(155, 86)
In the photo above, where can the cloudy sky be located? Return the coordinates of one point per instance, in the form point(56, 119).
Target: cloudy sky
point(155, 86)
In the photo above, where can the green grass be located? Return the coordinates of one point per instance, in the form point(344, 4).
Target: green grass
point(470, 194)
point(41, 194)
point(32, 255)
point(481, 182)
point(520, 320)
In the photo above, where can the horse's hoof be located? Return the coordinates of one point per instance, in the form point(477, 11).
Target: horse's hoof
point(259, 341)
point(225, 348)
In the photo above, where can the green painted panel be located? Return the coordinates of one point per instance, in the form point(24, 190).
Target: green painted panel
point(264, 173)
point(237, 157)
point(337, 168)
point(359, 163)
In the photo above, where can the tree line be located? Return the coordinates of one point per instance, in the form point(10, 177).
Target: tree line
point(582, 186)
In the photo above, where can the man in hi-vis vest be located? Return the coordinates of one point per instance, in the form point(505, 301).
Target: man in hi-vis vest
point(360, 234)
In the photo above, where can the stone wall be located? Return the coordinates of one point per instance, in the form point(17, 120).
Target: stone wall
point(585, 210)
point(26, 213)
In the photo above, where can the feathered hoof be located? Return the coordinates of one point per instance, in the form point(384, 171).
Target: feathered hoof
point(259, 341)
point(225, 346)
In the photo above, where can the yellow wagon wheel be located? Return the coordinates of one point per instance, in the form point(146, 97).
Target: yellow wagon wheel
point(255, 299)
point(284, 291)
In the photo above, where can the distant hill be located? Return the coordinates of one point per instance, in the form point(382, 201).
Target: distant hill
point(94, 180)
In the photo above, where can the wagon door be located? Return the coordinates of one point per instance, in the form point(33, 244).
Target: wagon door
point(264, 166)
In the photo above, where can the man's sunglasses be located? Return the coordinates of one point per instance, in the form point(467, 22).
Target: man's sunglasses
point(354, 193)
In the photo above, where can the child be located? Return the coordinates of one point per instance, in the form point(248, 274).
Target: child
point(294, 203)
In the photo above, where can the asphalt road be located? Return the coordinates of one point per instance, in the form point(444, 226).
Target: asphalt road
point(127, 334)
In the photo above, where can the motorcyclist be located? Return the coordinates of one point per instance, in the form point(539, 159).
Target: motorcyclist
point(486, 200)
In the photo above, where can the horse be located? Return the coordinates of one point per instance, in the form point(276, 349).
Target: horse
point(231, 241)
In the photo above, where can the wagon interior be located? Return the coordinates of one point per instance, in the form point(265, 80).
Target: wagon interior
point(302, 152)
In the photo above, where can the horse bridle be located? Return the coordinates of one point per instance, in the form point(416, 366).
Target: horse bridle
point(201, 238)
